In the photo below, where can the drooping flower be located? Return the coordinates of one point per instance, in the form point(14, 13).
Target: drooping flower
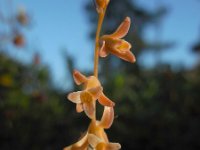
point(85, 99)
point(95, 137)
point(113, 43)
point(101, 5)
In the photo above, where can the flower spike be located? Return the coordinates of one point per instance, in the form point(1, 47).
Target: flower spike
point(95, 137)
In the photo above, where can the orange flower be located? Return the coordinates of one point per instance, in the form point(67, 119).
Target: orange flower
point(115, 45)
point(101, 5)
point(95, 137)
point(85, 99)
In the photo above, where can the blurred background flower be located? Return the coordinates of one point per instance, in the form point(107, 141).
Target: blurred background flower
point(157, 98)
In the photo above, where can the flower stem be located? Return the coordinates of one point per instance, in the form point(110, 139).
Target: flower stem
point(96, 54)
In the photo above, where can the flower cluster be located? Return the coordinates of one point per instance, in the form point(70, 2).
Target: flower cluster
point(85, 100)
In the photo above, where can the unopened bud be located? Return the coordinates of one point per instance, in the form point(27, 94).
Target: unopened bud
point(101, 5)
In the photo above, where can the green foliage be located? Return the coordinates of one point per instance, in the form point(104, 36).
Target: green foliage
point(154, 109)
point(157, 110)
point(33, 114)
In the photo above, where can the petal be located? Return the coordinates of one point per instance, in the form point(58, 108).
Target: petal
point(89, 109)
point(97, 130)
point(74, 97)
point(101, 146)
point(79, 108)
point(93, 140)
point(102, 51)
point(124, 46)
point(96, 91)
point(122, 30)
point(78, 77)
point(113, 146)
point(92, 82)
point(86, 97)
point(82, 144)
point(127, 56)
point(107, 118)
point(105, 101)
point(112, 43)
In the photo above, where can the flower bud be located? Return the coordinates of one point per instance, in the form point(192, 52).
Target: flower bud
point(101, 5)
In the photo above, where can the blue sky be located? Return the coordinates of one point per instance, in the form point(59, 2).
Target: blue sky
point(182, 26)
point(59, 24)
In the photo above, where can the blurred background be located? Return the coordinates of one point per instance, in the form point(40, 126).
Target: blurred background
point(157, 98)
